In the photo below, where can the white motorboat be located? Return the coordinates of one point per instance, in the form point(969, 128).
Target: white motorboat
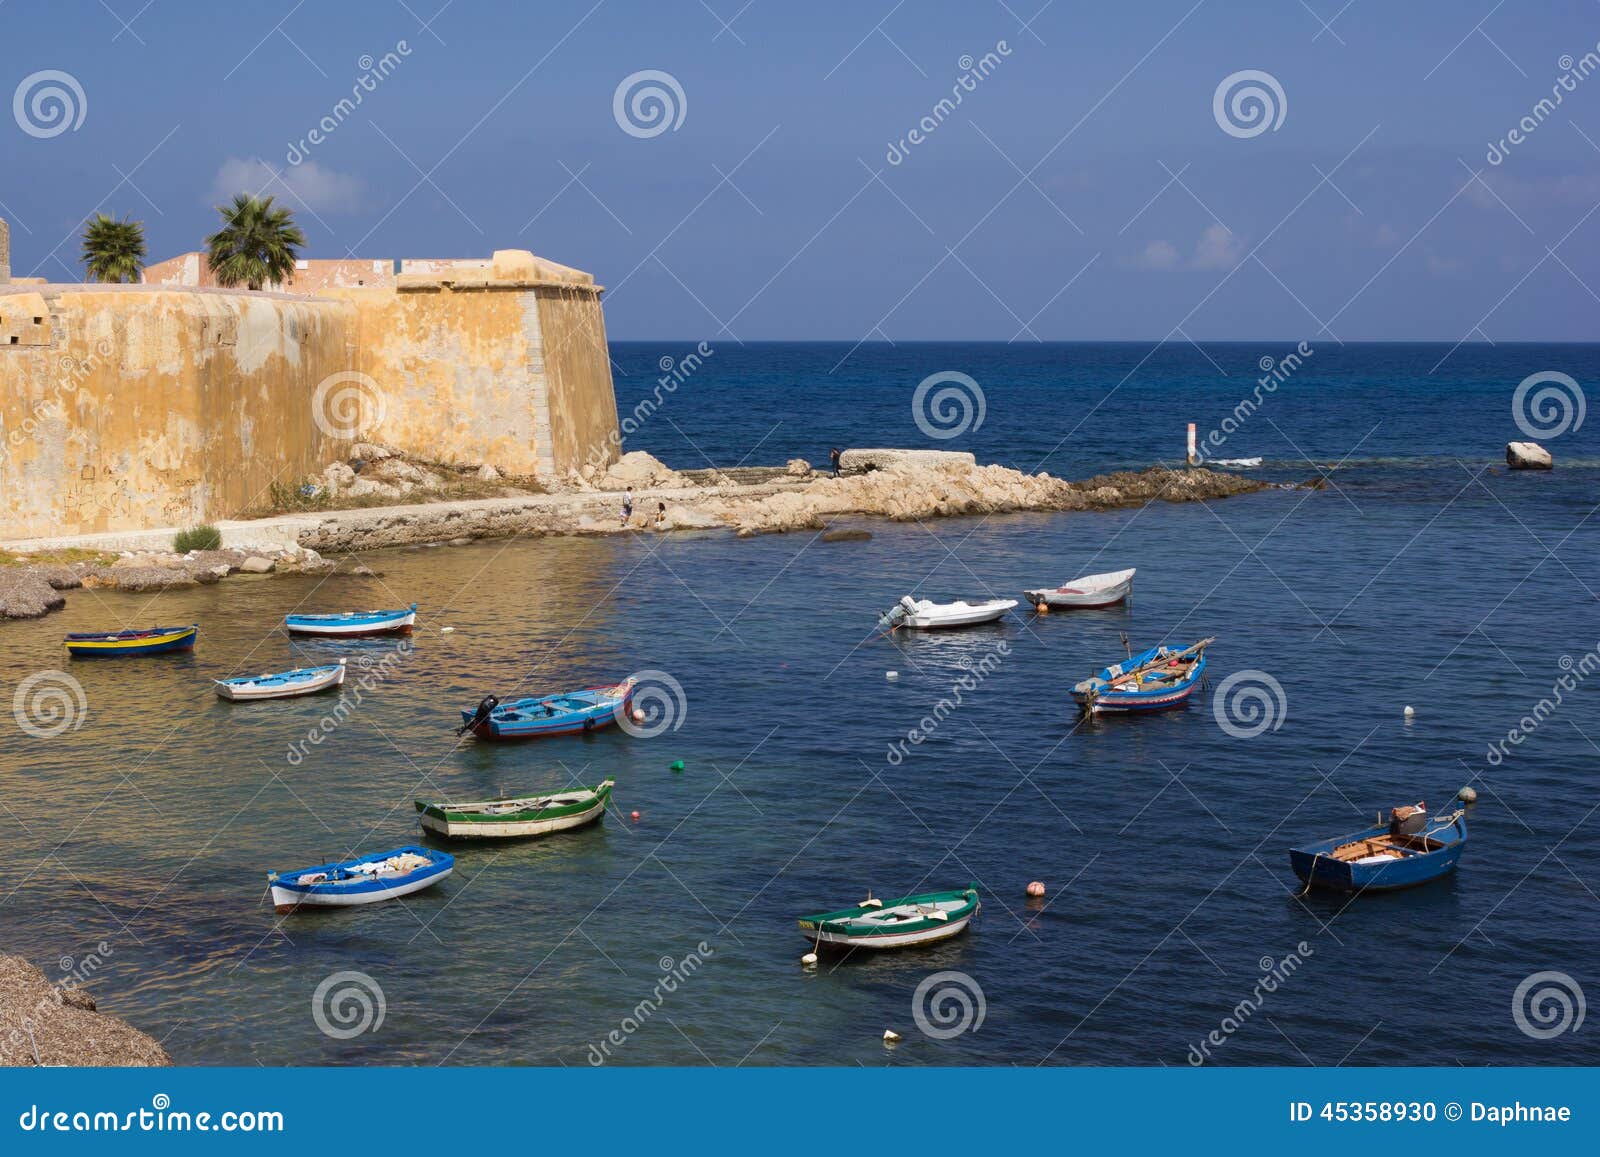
point(927, 615)
point(1092, 590)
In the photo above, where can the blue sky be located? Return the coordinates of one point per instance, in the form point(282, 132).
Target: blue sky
point(1084, 189)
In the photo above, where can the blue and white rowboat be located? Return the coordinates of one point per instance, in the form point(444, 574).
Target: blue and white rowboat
point(284, 685)
point(367, 880)
point(354, 624)
point(1403, 849)
point(1154, 680)
point(586, 710)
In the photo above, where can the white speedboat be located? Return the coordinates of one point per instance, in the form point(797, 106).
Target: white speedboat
point(284, 685)
point(1092, 590)
point(927, 615)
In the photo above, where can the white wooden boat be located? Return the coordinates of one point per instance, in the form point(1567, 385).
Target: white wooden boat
point(879, 924)
point(283, 685)
point(365, 880)
point(927, 615)
point(1092, 590)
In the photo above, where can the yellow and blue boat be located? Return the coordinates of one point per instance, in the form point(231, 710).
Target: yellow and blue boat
point(115, 644)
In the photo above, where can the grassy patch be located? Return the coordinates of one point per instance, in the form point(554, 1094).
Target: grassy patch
point(197, 538)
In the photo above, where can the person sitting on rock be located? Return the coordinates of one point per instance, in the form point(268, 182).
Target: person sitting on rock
point(661, 515)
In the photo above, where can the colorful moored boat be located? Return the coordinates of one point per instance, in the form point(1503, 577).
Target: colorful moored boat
point(880, 924)
point(586, 710)
point(354, 624)
point(515, 818)
point(1153, 680)
point(365, 880)
point(283, 685)
point(113, 644)
point(1403, 849)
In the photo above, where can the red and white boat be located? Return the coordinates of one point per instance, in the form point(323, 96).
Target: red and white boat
point(1092, 590)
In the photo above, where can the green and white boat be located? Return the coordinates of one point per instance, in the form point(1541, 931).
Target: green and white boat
point(894, 923)
point(515, 817)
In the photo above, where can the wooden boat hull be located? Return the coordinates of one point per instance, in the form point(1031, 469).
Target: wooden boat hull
point(1114, 702)
point(250, 690)
point(903, 923)
point(827, 939)
point(160, 641)
point(340, 885)
point(1084, 594)
point(522, 719)
point(353, 626)
point(457, 823)
point(1317, 867)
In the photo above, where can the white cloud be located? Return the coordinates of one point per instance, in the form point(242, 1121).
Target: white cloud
point(1216, 248)
point(306, 185)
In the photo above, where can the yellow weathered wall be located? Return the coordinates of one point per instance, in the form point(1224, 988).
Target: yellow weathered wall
point(161, 409)
point(582, 400)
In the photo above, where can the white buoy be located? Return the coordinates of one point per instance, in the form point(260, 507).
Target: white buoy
point(1410, 711)
point(1467, 795)
point(891, 674)
point(890, 1036)
point(445, 630)
point(809, 959)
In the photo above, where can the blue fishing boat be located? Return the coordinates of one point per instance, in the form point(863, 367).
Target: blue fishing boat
point(365, 880)
point(112, 644)
point(1403, 849)
point(1153, 680)
point(283, 685)
point(354, 624)
point(586, 710)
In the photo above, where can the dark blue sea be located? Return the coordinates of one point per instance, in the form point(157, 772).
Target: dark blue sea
point(1423, 574)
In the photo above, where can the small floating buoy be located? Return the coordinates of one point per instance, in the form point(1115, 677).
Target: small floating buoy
point(1042, 608)
point(1036, 888)
point(445, 630)
point(1409, 711)
point(809, 959)
point(1467, 795)
point(635, 817)
point(675, 765)
point(891, 674)
point(638, 715)
point(890, 1036)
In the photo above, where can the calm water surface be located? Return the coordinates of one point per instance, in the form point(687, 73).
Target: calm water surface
point(1416, 580)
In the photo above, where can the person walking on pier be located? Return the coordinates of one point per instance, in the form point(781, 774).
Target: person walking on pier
point(627, 506)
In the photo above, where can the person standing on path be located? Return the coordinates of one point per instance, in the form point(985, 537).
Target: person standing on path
point(627, 506)
point(833, 456)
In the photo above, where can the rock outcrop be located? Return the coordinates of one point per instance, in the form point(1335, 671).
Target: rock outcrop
point(640, 471)
point(856, 461)
point(1527, 456)
point(49, 1024)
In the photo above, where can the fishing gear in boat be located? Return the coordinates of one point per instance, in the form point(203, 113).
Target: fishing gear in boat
point(480, 714)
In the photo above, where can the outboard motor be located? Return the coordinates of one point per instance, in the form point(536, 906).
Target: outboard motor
point(480, 715)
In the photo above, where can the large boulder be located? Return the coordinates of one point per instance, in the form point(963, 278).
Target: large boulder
point(1527, 456)
point(798, 468)
point(25, 595)
point(640, 471)
point(857, 461)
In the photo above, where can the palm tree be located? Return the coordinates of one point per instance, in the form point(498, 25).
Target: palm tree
point(113, 250)
point(257, 244)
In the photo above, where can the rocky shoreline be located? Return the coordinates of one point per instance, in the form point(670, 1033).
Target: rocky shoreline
point(42, 1023)
point(901, 485)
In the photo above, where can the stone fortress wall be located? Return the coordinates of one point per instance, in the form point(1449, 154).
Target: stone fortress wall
point(175, 402)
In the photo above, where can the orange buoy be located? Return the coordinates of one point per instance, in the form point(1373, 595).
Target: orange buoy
point(1036, 888)
point(635, 817)
point(1042, 607)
